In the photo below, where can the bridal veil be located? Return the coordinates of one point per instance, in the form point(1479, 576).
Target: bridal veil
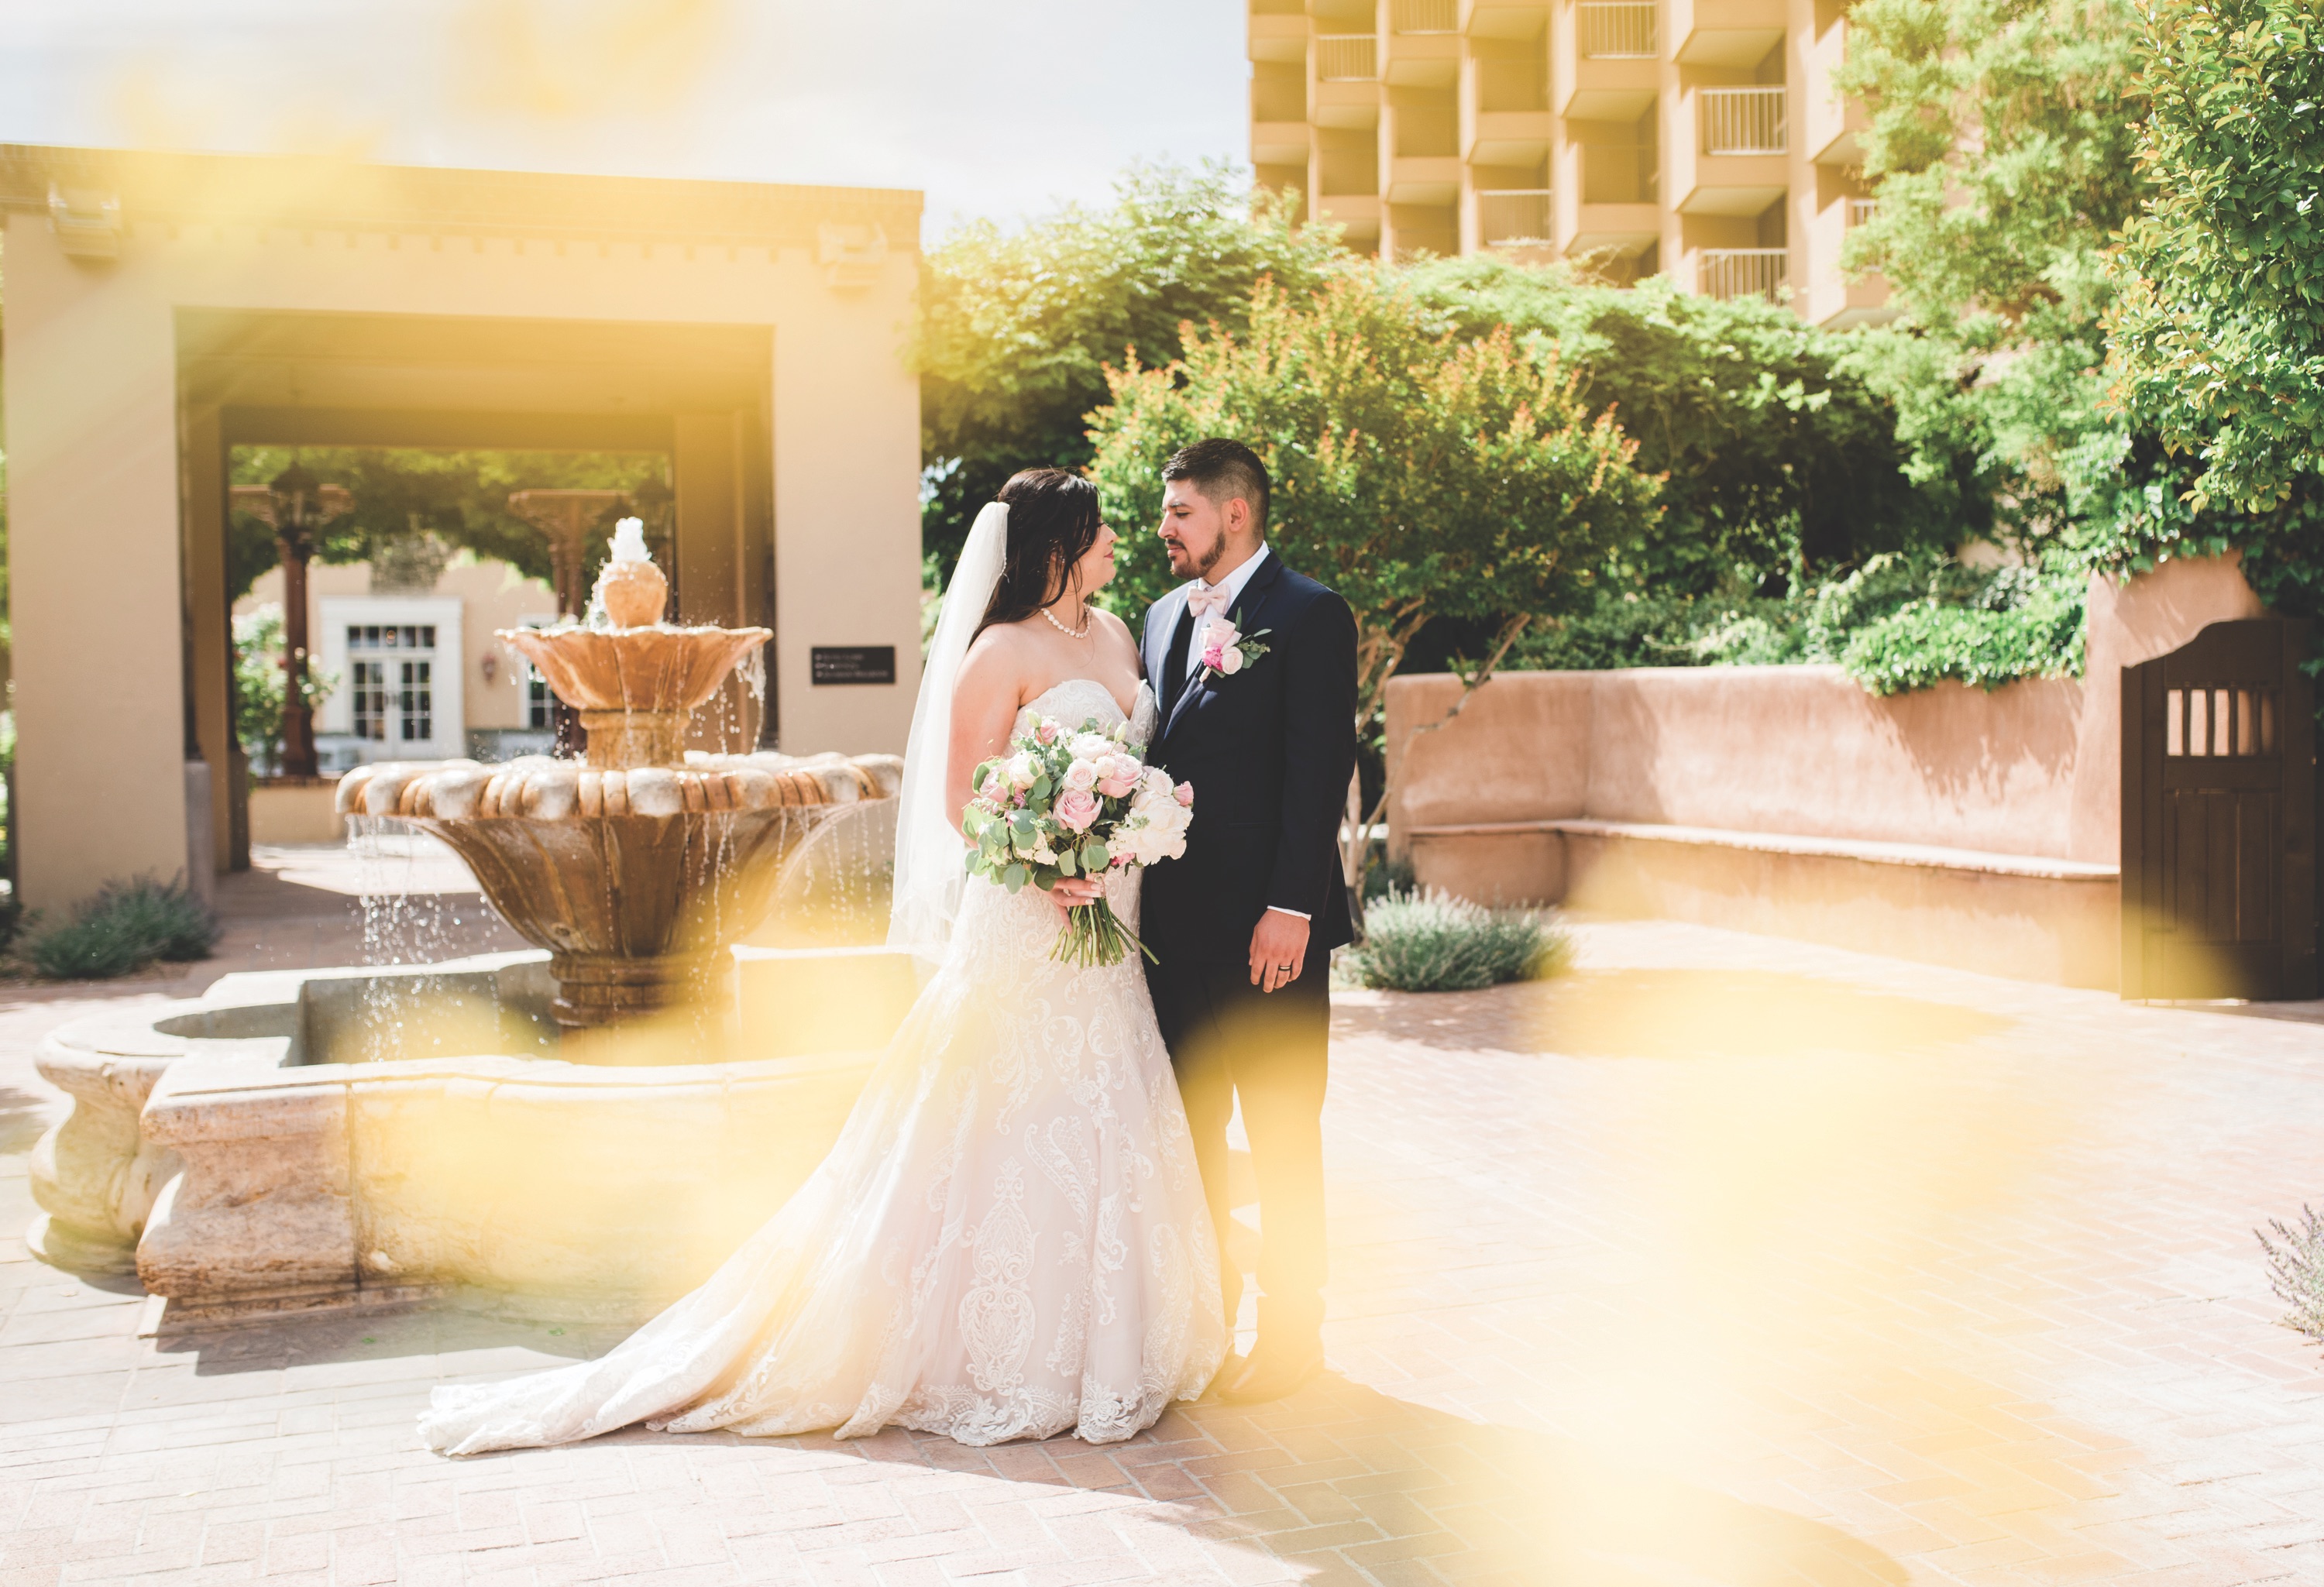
point(931, 863)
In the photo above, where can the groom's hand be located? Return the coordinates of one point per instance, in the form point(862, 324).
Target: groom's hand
point(1278, 947)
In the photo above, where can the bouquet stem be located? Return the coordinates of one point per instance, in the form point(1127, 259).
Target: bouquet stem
point(1093, 935)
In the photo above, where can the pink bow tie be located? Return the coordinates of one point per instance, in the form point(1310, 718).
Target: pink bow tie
point(1208, 600)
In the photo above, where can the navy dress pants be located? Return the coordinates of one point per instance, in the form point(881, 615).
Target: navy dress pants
point(1227, 1039)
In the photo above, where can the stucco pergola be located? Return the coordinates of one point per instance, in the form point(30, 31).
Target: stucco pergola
point(163, 309)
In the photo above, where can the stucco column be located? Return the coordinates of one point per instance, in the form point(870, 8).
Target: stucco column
point(209, 617)
point(95, 575)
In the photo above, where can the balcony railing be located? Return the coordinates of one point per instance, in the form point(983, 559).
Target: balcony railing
point(1425, 16)
point(1743, 121)
point(1745, 272)
point(1860, 210)
point(1513, 214)
point(1347, 57)
point(1617, 30)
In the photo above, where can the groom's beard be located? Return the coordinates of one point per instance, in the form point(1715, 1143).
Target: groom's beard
point(1210, 558)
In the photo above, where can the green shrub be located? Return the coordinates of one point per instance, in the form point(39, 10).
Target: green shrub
point(128, 924)
point(1416, 941)
point(2296, 1270)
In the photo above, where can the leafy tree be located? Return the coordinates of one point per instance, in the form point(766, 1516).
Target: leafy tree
point(1999, 151)
point(1420, 471)
point(1778, 457)
point(261, 687)
point(459, 496)
point(2219, 339)
point(1017, 328)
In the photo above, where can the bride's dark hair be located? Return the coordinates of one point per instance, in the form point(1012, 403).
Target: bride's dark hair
point(1052, 521)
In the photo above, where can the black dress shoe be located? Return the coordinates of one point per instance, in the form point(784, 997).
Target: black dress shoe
point(1229, 1371)
point(1271, 1374)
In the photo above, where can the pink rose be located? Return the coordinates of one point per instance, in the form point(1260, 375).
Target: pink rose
point(1076, 809)
point(1220, 635)
point(1185, 794)
point(1047, 732)
point(1211, 657)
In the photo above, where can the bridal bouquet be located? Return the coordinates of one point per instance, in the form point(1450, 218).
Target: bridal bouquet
point(1064, 804)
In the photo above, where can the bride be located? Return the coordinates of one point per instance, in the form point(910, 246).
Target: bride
point(1008, 1238)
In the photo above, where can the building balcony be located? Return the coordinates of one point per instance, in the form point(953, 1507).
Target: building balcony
point(1504, 19)
point(1279, 38)
point(1744, 272)
point(1359, 212)
point(1428, 179)
point(1854, 303)
point(1616, 30)
point(1346, 105)
point(1743, 121)
point(1829, 122)
point(1278, 143)
point(1509, 216)
point(1726, 32)
point(1422, 61)
point(1507, 137)
point(1735, 184)
point(1834, 125)
point(1425, 16)
point(1347, 57)
point(1618, 229)
point(1611, 90)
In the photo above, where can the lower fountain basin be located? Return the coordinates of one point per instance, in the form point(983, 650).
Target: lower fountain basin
point(246, 1151)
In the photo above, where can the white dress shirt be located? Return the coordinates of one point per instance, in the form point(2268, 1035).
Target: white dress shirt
point(1234, 585)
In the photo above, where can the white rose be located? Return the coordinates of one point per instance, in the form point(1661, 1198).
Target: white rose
point(1023, 770)
point(1158, 780)
point(1089, 746)
point(1230, 661)
point(1082, 776)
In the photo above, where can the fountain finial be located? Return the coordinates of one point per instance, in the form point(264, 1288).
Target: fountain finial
point(632, 589)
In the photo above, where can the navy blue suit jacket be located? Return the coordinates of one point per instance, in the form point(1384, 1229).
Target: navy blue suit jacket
point(1269, 752)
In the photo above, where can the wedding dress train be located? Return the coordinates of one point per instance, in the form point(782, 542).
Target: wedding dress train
point(1008, 1238)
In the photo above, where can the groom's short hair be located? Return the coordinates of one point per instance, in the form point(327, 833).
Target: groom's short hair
point(1222, 469)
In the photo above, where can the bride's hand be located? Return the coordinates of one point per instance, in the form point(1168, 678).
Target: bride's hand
point(1073, 891)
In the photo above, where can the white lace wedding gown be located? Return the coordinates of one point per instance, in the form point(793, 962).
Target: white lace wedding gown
point(1008, 1238)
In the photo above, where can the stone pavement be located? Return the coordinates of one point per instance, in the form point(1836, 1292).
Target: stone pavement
point(1724, 1260)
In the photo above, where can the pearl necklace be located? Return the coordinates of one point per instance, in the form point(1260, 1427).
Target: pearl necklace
point(1081, 632)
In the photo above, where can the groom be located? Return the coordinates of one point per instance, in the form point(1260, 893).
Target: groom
point(1244, 924)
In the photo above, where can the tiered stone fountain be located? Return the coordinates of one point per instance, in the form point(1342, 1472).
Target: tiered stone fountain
point(291, 1140)
point(638, 868)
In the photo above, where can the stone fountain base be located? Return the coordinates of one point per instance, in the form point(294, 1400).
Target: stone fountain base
point(240, 1150)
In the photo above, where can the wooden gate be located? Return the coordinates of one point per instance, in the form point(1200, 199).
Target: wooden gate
point(2218, 818)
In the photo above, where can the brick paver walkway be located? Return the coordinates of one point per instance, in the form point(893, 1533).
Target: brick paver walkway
point(1726, 1260)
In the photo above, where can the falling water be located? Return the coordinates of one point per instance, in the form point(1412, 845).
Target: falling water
point(405, 921)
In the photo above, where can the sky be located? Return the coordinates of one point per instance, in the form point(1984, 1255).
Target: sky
point(997, 108)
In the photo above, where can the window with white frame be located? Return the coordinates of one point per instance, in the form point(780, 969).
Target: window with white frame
point(397, 660)
point(392, 670)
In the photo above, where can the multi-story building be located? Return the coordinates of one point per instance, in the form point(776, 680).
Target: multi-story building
point(1701, 139)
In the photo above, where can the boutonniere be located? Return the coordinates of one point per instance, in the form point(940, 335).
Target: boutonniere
point(1226, 650)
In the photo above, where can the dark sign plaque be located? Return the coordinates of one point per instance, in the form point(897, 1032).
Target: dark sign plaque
point(854, 663)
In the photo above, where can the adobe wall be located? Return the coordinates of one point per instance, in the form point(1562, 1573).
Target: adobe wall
point(2032, 769)
point(1797, 750)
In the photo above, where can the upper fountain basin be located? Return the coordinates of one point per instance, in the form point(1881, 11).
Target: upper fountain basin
point(659, 669)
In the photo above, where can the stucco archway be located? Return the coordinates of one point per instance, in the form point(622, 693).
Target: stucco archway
point(160, 308)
